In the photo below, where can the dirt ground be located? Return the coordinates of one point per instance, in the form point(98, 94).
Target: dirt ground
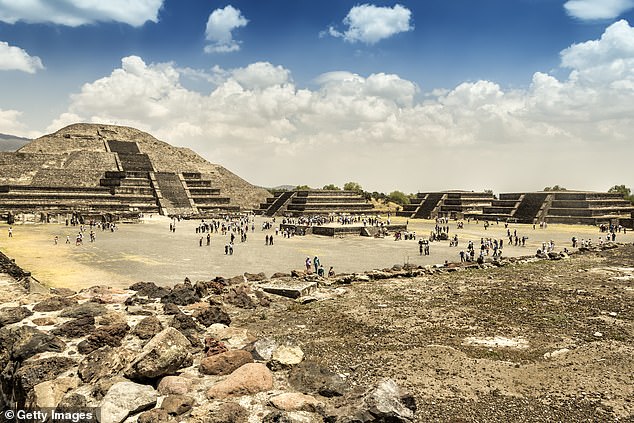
point(533, 342)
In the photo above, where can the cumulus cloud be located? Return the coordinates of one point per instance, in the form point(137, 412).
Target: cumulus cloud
point(220, 26)
point(10, 124)
point(256, 121)
point(80, 12)
point(370, 24)
point(597, 9)
point(15, 58)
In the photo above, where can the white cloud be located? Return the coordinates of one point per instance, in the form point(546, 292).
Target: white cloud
point(15, 58)
point(10, 124)
point(597, 9)
point(80, 12)
point(219, 29)
point(261, 125)
point(370, 24)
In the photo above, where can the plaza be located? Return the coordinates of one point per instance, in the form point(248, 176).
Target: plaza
point(148, 251)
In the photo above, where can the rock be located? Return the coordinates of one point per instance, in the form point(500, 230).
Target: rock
point(214, 346)
point(174, 385)
point(54, 304)
point(157, 415)
point(236, 280)
point(263, 299)
point(239, 297)
point(31, 341)
point(310, 377)
point(254, 277)
point(110, 335)
point(248, 379)
point(104, 362)
point(148, 327)
point(84, 310)
point(212, 314)
point(72, 402)
point(112, 318)
point(285, 357)
point(149, 289)
point(224, 363)
point(62, 292)
point(263, 349)
point(278, 275)
point(176, 405)
point(124, 399)
point(49, 394)
point(10, 315)
point(44, 321)
point(170, 309)
point(290, 289)
point(389, 403)
point(598, 334)
point(294, 401)
point(76, 328)
point(104, 295)
point(233, 338)
point(276, 417)
point(181, 296)
point(163, 355)
point(183, 322)
point(229, 412)
point(556, 353)
point(34, 372)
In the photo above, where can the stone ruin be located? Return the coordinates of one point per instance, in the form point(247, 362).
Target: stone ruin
point(315, 202)
point(570, 207)
point(97, 169)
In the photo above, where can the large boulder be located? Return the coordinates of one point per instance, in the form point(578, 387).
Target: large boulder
point(225, 363)
point(34, 372)
point(174, 385)
point(124, 399)
point(233, 338)
point(211, 315)
point(285, 357)
point(163, 355)
point(54, 303)
point(388, 403)
point(181, 296)
point(31, 341)
point(310, 377)
point(10, 315)
point(248, 379)
point(110, 335)
point(104, 363)
point(149, 289)
point(83, 310)
point(76, 328)
point(295, 401)
point(148, 327)
point(239, 297)
point(175, 405)
point(49, 394)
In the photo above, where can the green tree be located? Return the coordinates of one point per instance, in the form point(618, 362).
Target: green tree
point(624, 191)
point(555, 188)
point(398, 197)
point(302, 188)
point(353, 186)
point(331, 187)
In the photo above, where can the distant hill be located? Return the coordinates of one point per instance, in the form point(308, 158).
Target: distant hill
point(12, 142)
point(284, 188)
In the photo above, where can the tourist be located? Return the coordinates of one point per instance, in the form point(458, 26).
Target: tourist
point(55, 240)
point(10, 232)
point(200, 242)
point(331, 272)
point(316, 263)
point(266, 240)
point(308, 263)
point(208, 239)
point(320, 271)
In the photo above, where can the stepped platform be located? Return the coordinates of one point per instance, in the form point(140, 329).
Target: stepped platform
point(313, 202)
point(571, 207)
point(341, 230)
point(117, 166)
point(452, 204)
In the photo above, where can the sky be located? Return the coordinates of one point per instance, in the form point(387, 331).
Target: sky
point(508, 95)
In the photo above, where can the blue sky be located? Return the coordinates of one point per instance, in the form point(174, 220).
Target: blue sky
point(483, 87)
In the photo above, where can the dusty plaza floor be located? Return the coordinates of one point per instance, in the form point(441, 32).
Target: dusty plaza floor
point(148, 251)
